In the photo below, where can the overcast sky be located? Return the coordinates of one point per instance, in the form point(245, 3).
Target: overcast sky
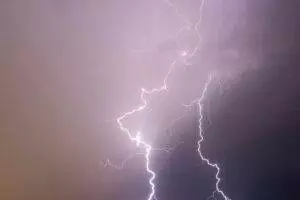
point(69, 68)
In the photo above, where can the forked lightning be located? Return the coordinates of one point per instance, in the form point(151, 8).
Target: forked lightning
point(184, 55)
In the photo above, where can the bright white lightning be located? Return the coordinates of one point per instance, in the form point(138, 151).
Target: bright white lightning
point(185, 55)
point(203, 158)
point(137, 138)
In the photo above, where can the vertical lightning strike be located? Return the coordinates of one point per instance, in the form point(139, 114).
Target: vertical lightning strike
point(137, 138)
point(184, 55)
point(203, 158)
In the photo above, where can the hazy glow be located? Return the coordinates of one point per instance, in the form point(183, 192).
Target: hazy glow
point(137, 138)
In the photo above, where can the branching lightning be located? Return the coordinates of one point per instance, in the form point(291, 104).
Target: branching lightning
point(137, 138)
point(184, 55)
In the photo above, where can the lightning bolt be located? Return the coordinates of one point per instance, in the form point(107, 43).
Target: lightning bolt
point(201, 139)
point(184, 55)
point(137, 138)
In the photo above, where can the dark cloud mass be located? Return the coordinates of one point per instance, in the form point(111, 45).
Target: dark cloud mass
point(69, 68)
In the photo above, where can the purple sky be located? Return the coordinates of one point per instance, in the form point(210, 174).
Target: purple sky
point(69, 68)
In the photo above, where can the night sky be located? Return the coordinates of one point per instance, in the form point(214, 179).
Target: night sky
point(68, 69)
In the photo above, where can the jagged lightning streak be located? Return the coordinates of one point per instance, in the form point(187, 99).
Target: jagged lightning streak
point(185, 55)
point(137, 138)
point(108, 163)
point(203, 158)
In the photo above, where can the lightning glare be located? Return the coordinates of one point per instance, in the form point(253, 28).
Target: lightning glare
point(137, 138)
point(183, 56)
